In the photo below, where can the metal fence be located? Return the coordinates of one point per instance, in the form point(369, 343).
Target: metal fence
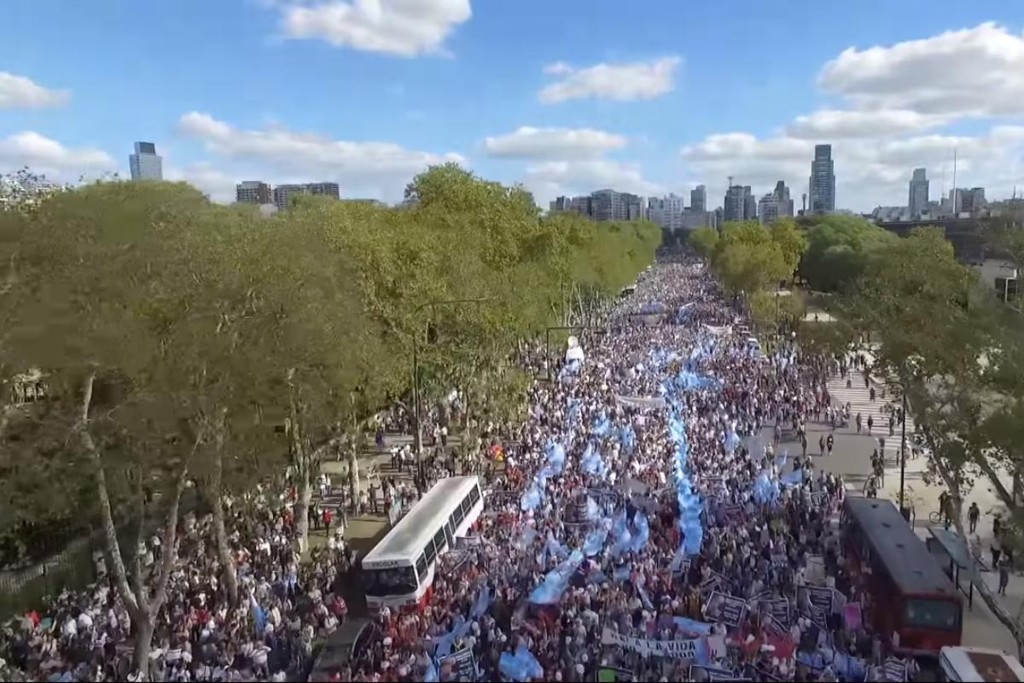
point(28, 588)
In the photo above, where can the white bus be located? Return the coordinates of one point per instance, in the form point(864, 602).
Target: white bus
point(399, 571)
point(979, 664)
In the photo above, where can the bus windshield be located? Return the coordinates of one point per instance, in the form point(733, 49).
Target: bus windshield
point(393, 581)
point(932, 614)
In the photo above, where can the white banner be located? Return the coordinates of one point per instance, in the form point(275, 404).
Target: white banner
point(718, 331)
point(641, 402)
point(670, 649)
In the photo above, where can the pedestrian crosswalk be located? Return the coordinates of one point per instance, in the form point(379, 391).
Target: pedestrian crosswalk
point(884, 425)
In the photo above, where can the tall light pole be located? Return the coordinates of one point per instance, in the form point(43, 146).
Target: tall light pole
point(903, 456)
point(418, 433)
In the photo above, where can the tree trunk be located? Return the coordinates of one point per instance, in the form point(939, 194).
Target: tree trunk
point(301, 510)
point(227, 560)
point(143, 643)
point(353, 474)
point(106, 514)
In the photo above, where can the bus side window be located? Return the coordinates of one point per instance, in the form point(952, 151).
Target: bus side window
point(421, 568)
point(475, 494)
point(429, 553)
point(439, 541)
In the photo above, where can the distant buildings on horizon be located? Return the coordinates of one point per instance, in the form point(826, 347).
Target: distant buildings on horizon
point(670, 211)
point(280, 197)
point(145, 163)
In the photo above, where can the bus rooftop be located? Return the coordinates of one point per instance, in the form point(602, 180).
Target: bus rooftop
point(911, 566)
point(416, 529)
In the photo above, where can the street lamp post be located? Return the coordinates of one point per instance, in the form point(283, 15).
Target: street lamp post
point(418, 433)
point(903, 456)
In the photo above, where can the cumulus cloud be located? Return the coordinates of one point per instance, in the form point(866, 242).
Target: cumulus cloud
point(618, 82)
point(975, 72)
point(553, 143)
point(837, 124)
point(901, 101)
point(867, 175)
point(49, 157)
point(551, 179)
point(406, 28)
point(19, 92)
point(375, 168)
point(218, 185)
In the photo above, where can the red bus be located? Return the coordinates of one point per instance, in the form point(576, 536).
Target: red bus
point(912, 595)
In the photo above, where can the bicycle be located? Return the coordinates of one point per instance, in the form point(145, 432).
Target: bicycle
point(935, 517)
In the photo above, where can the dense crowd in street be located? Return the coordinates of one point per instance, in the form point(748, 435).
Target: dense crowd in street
point(643, 524)
point(646, 527)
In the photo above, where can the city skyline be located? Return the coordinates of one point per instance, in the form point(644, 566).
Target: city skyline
point(573, 112)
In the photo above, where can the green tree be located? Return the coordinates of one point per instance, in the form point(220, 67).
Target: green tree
point(791, 241)
point(703, 241)
point(938, 338)
point(838, 249)
point(747, 259)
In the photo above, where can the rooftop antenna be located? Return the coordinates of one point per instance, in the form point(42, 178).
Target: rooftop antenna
point(730, 181)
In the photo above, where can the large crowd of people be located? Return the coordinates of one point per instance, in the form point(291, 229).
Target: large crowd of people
point(641, 527)
point(645, 529)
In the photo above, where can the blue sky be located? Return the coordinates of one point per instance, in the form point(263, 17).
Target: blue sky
point(566, 96)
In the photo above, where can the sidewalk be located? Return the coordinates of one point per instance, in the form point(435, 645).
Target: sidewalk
point(981, 627)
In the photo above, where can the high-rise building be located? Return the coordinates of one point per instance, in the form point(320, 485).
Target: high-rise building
point(749, 204)
point(253, 192)
point(283, 193)
point(822, 186)
point(776, 204)
point(739, 204)
point(668, 212)
point(699, 199)
point(608, 205)
point(918, 196)
point(145, 163)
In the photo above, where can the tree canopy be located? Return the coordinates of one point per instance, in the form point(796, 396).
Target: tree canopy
point(178, 343)
point(940, 336)
point(838, 250)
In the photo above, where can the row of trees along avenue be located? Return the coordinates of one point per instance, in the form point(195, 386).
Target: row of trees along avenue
point(190, 350)
point(936, 333)
point(752, 260)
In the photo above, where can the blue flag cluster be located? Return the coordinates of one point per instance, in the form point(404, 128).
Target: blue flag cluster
point(533, 496)
point(690, 504)
point(520, 665)
point(592, 463)
point(554, 585)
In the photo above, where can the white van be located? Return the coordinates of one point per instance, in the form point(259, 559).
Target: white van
point(979, 664)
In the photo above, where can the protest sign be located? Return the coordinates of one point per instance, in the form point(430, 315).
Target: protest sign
point(815, 570)
point(779, 609)
point(818, 596)
point(852, 616)
point(641, 402)
point(610, 674)
point(695, 649)
point(725, 609)
point(710, 584)
point(462, 665)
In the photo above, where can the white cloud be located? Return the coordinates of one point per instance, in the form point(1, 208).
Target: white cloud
point(553, 143)
point(550, 179)
point(406, 28)
point(378, 169)
point(976, 72)
point(868, 172)
point(901, 101)
point(19, 92)
point(206, 178)
point(837, 124)
point(49, 157)
point(618, 82)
